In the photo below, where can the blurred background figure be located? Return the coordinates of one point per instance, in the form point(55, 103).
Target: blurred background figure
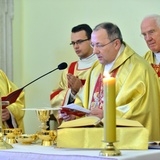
point(150, 29)
point(12, 115)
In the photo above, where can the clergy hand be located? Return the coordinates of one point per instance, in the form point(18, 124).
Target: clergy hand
point(5, 115)
point(67, 117)
point(96, 112)
point(74, 83)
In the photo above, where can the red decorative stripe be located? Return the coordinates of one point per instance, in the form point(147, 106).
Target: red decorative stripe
point(55, 93)
point(83, 81)
point(71, 67)
point(114, 73)
point(71, 71)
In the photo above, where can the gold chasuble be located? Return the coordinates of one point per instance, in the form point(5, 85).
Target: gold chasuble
point(137, 91)
point(15, 109)
point(149, 56)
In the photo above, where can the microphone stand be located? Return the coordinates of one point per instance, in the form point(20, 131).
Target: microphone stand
point(38, 78)
point(14, 95)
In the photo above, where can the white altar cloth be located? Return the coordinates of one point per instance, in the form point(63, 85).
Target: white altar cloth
point(38, 152)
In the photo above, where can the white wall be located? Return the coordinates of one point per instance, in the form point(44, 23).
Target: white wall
point(41, 37)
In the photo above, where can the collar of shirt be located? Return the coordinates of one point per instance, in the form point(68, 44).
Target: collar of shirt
point(84, 59)
point(157, 57)
point(87, 62)
point(109, 66)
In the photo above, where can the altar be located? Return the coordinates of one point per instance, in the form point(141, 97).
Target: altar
point(38, 152)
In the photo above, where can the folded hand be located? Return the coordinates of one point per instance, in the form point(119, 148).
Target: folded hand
point(74, 83)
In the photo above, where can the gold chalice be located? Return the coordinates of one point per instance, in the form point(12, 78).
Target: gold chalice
point(43, 116)
point(11, 133)
point(47, 136)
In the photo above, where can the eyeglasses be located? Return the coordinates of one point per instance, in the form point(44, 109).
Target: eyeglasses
point(101, 45)
point(79, 41)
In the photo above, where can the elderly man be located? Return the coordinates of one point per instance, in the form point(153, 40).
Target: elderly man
point(137, 89)
point(150, 29)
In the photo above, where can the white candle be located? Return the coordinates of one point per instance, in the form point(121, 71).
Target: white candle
point(109, 109)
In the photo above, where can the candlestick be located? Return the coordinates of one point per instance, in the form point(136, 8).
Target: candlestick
point(109, 109)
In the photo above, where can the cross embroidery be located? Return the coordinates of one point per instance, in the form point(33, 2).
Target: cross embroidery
point(97, 97)
point(156, 67)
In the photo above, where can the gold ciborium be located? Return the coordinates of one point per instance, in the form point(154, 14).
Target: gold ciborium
point(27, 138)
point(11, 133)
point(43, 116)
point(47, 136)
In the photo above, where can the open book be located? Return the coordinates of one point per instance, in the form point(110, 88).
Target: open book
point(95, 121)
point(74, 109)
point(11, 97)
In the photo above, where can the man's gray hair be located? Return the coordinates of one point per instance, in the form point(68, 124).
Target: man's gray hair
point(112, 30)
point(156, 17)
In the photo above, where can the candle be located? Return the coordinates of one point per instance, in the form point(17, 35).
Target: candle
point(109, 109)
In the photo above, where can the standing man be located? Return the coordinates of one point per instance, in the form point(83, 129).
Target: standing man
point(150, 29)
point(73, 78)
point(137, 89)
point(12, 115)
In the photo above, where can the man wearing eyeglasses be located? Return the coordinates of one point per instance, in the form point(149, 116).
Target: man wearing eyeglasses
point(73, 78)
point(150, 29)
point(137, 89)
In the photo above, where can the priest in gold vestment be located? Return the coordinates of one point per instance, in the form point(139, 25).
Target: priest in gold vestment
point(75, 75)
point(137, 86)
point(150, 29)
point(12, 115)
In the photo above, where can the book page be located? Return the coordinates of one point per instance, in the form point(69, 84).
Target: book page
point(75, 110)
point(127, 123)
point(94, 121)
point(81, 122)
point(122, 122)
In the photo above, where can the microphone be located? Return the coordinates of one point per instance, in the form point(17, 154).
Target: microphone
point(14, 95)
point(60, 67)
